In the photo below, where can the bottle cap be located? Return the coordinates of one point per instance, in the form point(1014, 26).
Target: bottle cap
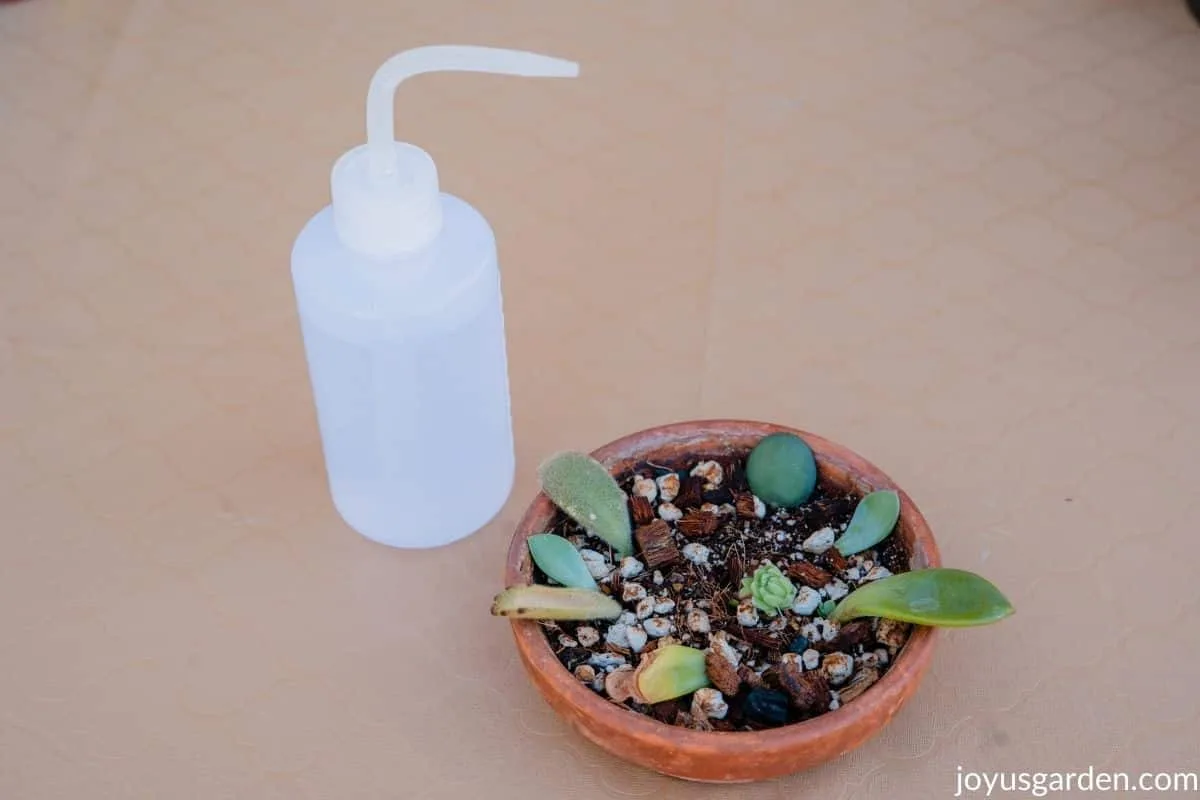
point(385, 194)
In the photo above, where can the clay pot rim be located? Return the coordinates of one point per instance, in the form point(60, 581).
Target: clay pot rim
point(889, 692)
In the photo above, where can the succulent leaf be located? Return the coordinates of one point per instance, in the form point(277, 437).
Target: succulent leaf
point(554, 602)
point(670, 672)
point(559, 559)
point(781, 470)
point(874, 518)
point(586, 492)
point(942, 597)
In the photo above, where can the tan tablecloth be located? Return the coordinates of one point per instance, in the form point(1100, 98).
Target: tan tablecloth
point(961, 237)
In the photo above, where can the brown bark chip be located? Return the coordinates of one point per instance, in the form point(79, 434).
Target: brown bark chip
point(698, 524)
point(723, 674)
point(809, 574)
point(691, 492)
point(809, 691)
point(658, 549)
point(640, 510)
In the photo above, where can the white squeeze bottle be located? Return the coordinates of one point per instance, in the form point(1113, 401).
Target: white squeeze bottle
point(398, 290)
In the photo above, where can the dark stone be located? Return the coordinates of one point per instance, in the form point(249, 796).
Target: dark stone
point(720, 496)
point(572, 657)
point(767, 707)
point(799, 644)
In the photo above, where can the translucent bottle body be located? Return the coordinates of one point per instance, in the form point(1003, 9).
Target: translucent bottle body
point(408, 367)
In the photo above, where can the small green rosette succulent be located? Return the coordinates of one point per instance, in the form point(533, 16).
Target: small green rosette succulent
point(769, 589)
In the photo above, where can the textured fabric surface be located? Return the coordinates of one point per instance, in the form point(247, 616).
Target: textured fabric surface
point(961, 237)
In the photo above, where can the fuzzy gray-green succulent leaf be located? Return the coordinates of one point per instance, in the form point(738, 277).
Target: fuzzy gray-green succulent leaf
point(586, 492)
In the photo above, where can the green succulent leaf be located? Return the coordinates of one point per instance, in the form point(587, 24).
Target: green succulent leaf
point(781, 470)
point(941, 597)
point(874, 518)
point(826, 608)
point(770, 590)
point(554, 602)
point(586, 492)
point(670, 672)
point(559, 559)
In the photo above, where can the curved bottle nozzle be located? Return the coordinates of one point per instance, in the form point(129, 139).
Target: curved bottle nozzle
point(442, 58)
point(385, 193)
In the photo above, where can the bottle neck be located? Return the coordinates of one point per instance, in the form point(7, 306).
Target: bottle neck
point(389, 215)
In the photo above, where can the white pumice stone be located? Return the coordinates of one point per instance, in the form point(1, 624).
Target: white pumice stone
point(820, 630)
point(597, 565)
point(807, 600)
point(631, 567)
point(819, 541)
point(891, 633)
point(638, 636)
point(618, 635)
point(878, 573)
point(668, 486)
point(633, 592)
point(669, 513)
point(645, 608)
point(747, 614)
point(836, 590)
point(658, 627)
point(719, 643)
point(606, 661)
point(645, 487)
point(837, 668)
point(709, 704)
point(696, 553)
point(711, 472)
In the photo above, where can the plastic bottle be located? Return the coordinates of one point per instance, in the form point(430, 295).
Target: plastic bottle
point(399, 299)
